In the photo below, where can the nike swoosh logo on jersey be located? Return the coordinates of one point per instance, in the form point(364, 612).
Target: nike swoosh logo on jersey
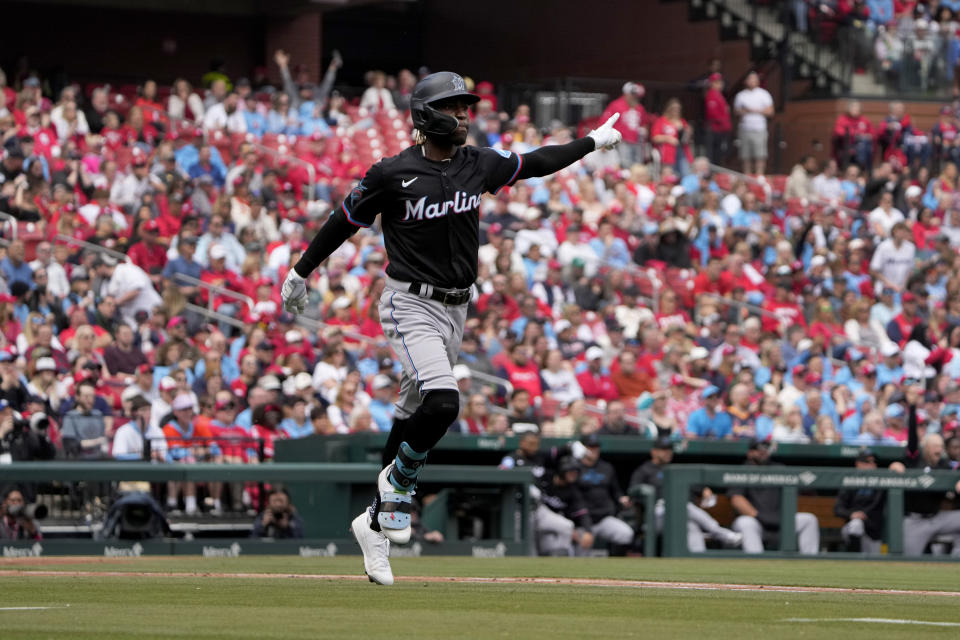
point(407, 183)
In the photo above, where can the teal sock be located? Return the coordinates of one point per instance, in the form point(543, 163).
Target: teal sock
point(406, 468)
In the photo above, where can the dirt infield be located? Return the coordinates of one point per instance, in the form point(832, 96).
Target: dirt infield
point(584, 582)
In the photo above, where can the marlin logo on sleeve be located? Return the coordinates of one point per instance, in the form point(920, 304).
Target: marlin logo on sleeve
point(461, 202)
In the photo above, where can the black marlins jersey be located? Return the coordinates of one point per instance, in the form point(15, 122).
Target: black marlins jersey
point(430, 211)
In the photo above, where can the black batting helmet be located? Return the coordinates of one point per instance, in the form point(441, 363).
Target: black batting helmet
point(433, 88)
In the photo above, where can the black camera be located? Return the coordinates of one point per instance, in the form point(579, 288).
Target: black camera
point(28, 511)
point(20, 426)
point(278, 515)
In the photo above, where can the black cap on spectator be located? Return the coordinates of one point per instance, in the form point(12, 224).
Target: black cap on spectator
point(265, 345)
point(79, 273)
point(568, 463)
point(758, 444)
point(243, 82)
point(386, 363)
point(866, 455)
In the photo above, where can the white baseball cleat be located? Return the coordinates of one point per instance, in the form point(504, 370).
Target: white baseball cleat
point(375, 548)
point(393, 514)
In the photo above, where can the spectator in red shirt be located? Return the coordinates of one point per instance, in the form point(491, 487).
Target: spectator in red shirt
point(219, 275)
point(522, 371)
point(630, 381)
point(632, 124)
point(670, 314)
point(153, 112)
point(595, 383)
point(499, 297)
point(114, 135)
point(783, 309)
point(709, 280)
point(148, 254)
point(717, 116)
point(902, 325)
point(853, 138)
point(671, 136)
point(826, 328)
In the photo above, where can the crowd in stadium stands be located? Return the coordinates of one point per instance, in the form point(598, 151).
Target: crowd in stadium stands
point(907, 45)
point(618, 296)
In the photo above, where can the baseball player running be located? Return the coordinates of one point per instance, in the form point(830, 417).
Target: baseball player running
point(428, 197)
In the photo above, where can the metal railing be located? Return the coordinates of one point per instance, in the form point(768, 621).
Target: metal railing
point(213, 288)
point(680, 478)
point(215, 315)
point(122, 257)
point(9, 222)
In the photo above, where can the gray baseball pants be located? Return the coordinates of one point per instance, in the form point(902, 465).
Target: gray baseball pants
point(856, 529)
point(554, 532)
point(613, 530)
point(808, 533)
point(698, 523)
point(425, 335)
point(918, 531)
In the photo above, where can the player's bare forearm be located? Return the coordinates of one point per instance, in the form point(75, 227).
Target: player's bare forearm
point(334, 232)
point(547, 160)
point(743, 506)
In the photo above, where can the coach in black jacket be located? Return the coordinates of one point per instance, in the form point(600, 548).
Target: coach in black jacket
point(603, 496)
point(863, 511)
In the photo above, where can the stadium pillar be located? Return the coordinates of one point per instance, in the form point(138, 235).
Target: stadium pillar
point(894, 516)
point(677, 480)
point(788, 521)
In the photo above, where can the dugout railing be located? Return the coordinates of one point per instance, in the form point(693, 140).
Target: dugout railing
point(327, 496)
point(679, 479)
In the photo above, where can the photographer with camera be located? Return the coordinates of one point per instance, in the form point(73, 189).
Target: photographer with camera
point(279, 519)
point(18, 520)
point(22, 439)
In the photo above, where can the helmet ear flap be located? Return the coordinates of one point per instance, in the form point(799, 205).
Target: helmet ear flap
point(433, 122)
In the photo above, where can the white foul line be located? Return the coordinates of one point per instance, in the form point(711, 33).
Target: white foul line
point(30, 608)
point(928, 623)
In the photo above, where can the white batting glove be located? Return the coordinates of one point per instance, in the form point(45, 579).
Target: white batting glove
point(605, 136)
point(294, 293)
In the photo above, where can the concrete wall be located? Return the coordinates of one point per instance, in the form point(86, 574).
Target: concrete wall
point(505, 40)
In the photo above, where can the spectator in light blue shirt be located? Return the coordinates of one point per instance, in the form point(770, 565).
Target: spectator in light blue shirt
point(881, 11)
point(297, 425)
point(711, 420)
point(14, 267)
point(381, 405)
point(187, 155)
point(256, 121)
point(281, 118)
point(890, 370)
point(611, 250)
point(871, 432)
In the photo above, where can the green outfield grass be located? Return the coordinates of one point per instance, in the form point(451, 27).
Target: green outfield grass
point(141, 606)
